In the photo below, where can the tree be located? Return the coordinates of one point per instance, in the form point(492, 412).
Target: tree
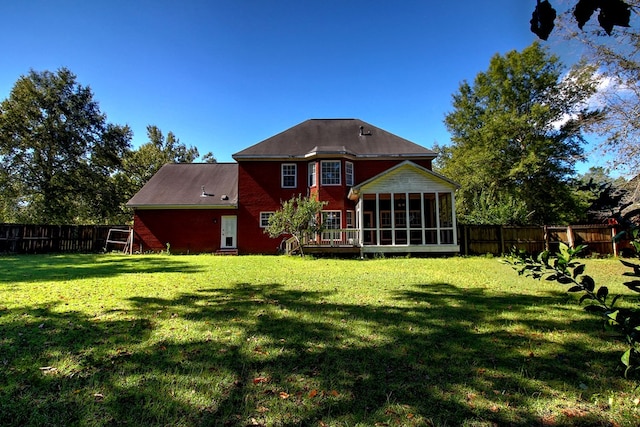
point(141, 164)
point(611, 13)
point(516, 136)
point(138, 166)
point(298, 216)
point(617, 59)
point(57, 152)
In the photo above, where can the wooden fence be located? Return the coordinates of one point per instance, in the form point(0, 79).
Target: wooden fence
point(499, 239)
point(473, 239)
point(31, 238)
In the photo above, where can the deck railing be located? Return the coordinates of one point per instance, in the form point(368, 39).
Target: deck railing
point(339, 237)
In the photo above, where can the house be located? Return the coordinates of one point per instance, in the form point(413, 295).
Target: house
point(381, 194)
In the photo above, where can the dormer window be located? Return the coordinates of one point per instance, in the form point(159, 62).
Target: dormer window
point(289, 175)
point(330, 171)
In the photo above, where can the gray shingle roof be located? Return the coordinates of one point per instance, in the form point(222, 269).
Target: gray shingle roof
point(181, 186)
point(334, 136)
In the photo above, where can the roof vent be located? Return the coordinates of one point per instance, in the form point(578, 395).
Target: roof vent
point(363, 132)
point(204, 193)
point(224, 197)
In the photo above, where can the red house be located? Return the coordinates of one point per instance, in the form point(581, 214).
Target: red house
point(381, 194)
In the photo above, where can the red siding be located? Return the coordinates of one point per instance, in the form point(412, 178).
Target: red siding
point(187, 230)
point(259, 190)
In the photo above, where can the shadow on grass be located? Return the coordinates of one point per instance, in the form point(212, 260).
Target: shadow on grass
point(263, 355)
point(35, 268)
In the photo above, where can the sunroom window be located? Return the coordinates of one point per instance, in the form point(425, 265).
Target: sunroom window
point(408, 218)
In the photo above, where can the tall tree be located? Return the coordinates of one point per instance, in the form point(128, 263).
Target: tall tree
point(141, 164)
point(516, 136)
point(56, 150)
point(617, 58)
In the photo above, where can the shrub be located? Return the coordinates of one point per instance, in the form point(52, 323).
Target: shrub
point(564, 268)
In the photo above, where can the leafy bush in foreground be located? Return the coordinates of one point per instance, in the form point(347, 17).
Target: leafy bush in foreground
point(563, 268)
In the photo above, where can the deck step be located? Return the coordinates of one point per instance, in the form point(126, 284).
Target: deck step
point(227, 252)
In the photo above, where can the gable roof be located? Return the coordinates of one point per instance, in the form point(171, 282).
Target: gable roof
point(355, 191)
point(190, 185)
point(334, 137)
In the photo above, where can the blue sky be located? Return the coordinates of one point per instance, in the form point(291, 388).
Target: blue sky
point(224, 75)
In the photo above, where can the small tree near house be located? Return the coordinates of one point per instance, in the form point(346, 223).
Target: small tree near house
point(298, 216)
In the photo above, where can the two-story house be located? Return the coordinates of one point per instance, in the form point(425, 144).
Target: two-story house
point(381, 194)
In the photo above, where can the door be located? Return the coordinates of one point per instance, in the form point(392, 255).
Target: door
point(228, 232)
point(369, 235)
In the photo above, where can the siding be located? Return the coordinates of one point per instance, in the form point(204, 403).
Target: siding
point(187, 230)
point(407, 179)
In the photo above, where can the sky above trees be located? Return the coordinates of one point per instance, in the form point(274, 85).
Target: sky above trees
point(223, 75)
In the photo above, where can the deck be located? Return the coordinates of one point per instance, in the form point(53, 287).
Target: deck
point(347, 242)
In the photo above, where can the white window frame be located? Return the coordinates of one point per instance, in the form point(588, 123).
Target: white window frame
point(311, 172)
point(288, 170)
point(350, 219)
point(389, 222)
point(337, 221)
point(327, 182)
point(348, 173)
point(264, 218)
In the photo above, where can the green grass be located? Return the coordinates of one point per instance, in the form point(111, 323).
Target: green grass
point(92, 340)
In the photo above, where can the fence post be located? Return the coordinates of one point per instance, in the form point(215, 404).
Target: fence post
point(570, 237)
point(546, 237)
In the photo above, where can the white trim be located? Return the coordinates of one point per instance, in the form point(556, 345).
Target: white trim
point(312, 174)
point(269, 215)
point(322, 182)
point(393, 227)
point(294, 175)
point(349, 176)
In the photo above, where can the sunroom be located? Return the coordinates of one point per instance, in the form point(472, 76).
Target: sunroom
point(406, 209)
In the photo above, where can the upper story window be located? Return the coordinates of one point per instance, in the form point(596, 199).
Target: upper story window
point(312, 174)
point(348, 173)
point(289, 175)
point(330, 172)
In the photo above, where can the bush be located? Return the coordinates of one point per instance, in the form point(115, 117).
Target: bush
point(564, 268)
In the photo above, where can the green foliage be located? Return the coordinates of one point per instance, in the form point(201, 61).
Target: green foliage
point(139, 165)
point(57, 151)
point(618, 60)
point(61, 162)
point(566, 270)
point(298, 217)
point(488, 208)
point(517, 134)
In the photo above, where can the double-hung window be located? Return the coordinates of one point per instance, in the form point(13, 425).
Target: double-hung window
point(264, 219)
point(330, 172)
point(312, 174)
point(348, 173)
point(289, 175)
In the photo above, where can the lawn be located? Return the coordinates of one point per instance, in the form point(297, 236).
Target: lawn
point(101, 340)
